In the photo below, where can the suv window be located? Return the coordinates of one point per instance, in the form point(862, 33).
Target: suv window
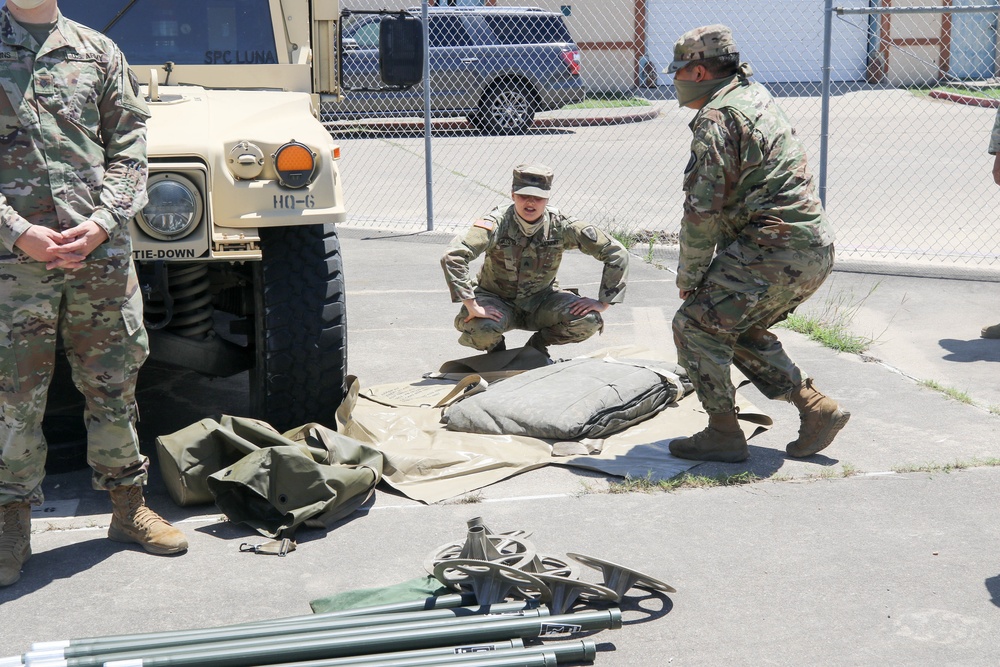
point(448, 31)
point(188, 32)
point(520, 29)
point(366, 34)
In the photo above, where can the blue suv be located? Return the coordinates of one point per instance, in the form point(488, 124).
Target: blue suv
point(496, 66)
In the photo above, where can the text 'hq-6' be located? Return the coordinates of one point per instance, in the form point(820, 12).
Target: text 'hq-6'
point(237, 252)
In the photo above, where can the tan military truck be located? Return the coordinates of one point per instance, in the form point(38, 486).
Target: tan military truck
point(237, 249)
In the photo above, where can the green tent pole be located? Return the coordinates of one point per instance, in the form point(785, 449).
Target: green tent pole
point(302, 636)
point(392, 638)
point(481, 649)
point(433, 602)
point(149, 642)
point(579, 651)
point(509, 658)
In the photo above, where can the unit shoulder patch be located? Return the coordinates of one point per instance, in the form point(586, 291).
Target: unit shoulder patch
point(691, 163)
point(134, 81)
point(590, 232)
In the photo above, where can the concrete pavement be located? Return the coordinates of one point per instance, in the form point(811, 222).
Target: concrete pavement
point(880, 550)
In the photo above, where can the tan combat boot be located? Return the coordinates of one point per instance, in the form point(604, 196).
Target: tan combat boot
point(722, 440)
point(132, 521)
point(820, 420)
point(15, 540)
point(990, 332)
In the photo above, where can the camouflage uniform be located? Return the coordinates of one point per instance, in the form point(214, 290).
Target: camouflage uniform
point(518, 277)
point(995, 136)
point(993, 331)
point(754, 243)
point(72, 127)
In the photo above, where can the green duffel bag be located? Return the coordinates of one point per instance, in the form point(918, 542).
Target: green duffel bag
point(188, 456)
point(272, 482)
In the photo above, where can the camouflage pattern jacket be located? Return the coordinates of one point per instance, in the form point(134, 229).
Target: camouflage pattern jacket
point(72, 136)
point(995, 135)
point(520, 268)
point(746, 182)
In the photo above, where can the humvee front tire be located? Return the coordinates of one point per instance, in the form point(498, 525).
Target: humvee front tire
point(300, 327)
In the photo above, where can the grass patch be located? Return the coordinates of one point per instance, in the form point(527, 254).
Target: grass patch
point(646, 237)
point(846, 470)
point(950, 392)
point(682, 481)
point(625, 237)
point(832, 334)
point(687, 481)
point(958, 89)
point(948, 467)
point(831, 326)
point(995, 410)
point(609, 101)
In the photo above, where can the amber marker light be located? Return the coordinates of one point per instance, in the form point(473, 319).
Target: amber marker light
point(295, 163)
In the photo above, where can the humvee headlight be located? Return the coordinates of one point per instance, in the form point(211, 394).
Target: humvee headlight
point(174, 207)
point(295, 163)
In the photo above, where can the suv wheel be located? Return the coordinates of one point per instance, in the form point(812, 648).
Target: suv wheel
point(507, 108)
point(300, 327)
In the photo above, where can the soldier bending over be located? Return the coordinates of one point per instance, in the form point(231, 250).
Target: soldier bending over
point(754, 244)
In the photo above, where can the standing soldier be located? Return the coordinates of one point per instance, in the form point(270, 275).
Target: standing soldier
point(754, 244)
point(517, 288)
point(993, 331)
point(72, 174)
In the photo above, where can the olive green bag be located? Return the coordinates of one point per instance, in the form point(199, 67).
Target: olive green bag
point(270, 481)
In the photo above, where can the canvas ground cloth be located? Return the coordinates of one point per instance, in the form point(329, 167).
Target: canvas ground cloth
point(426, 462)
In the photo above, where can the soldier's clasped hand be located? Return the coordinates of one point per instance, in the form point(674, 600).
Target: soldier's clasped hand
point(77, 243)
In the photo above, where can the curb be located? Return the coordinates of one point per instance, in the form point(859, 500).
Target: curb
point(965, 99)
point(463, 124)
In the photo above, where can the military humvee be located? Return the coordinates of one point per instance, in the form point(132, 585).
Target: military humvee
point(237, 249)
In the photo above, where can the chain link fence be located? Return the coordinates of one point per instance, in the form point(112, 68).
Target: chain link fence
point(578, 86)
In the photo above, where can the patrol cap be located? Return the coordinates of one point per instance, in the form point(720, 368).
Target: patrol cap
point(532, 180)
point(708, 41)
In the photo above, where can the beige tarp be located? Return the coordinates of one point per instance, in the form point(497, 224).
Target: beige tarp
point(428, 463)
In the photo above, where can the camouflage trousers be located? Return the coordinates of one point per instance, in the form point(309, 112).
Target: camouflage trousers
point(726, 320)
point(549, 316)
point(97, 311)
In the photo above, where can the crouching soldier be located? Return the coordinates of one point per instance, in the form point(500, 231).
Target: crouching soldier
point(517, 287)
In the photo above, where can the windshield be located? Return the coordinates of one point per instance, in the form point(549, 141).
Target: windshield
point(187, 32)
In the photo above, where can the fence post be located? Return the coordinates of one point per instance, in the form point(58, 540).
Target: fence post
point(428, 158)
point(824, 136)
